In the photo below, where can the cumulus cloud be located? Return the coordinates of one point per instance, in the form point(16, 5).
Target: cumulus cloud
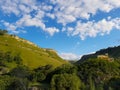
point(33, 12)
point(68, 11)
point(9, 26)
point(28, 20)
point(93, 29)
point(52, 30)
point(70, 56)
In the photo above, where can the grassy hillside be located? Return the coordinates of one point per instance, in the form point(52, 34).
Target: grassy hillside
point(32, 55)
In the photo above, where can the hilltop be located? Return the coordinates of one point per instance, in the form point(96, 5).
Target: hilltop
point(32, 55)
point(111, 53)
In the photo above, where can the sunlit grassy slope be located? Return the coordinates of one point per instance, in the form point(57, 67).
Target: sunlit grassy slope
point(32, 55)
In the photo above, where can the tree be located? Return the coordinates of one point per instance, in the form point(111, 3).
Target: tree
point(18, 59)
point(66, 82)
point(5, 82)
point(113, 83)
point(99, 69)
point(8, 56)
point(91, 83)
point(18, 84)
point(2, 32)
point(39, 74)
point(66, 68)
point(20, 71)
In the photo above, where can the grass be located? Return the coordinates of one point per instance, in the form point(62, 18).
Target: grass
point(33, 56)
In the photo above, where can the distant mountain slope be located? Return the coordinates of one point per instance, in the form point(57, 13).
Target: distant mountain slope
point(32, 55)
point(113, 52)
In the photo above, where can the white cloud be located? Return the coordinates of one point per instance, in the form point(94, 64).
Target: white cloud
point(92, 29)
point(67, 11)
point(9, 26)
point(28, 20)
point(17, 7)
point(9, 7)
point(52, 16)
point(52, 30)
point(33, 13)
point(70, 56)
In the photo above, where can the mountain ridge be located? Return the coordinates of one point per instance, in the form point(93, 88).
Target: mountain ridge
point(113, 52)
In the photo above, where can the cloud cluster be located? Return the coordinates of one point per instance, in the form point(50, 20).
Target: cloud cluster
point(68, 11)
point(29, 12)
point(74, 10)
point(69, 56)
point(64, 12)
point(92, 29)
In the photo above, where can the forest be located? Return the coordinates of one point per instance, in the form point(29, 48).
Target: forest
point(92, 74)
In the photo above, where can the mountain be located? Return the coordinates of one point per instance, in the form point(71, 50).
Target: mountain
point(32, 55)
point(111, 52)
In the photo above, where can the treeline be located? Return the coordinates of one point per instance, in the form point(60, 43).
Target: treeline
point(92, 74)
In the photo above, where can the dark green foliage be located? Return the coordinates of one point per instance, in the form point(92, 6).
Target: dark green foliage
point(20, 71)
point(91, 83)
point(12, 83)
point(113, 84)
point(9, 57)
point(2, 32)
point(96, 74)
point(99, 70)
point(5, 56)
point(18, 84)
point(66, 82)
point(18, 59)
point(5, 82)
point(66, 68)
point(39, 74)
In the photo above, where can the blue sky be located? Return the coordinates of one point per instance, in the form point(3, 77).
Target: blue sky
point(71, 27)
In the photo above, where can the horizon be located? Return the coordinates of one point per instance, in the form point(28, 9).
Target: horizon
point(73, 28)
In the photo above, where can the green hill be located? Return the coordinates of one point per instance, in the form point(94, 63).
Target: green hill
point(32, 55)
point(113, 52)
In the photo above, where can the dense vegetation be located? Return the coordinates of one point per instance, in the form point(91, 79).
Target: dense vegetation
point(92, 74)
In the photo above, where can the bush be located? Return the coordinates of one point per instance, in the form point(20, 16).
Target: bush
point(2, 32)
point(66, 82)
point(20, 72)
point(113, 83)
point(18, 84)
